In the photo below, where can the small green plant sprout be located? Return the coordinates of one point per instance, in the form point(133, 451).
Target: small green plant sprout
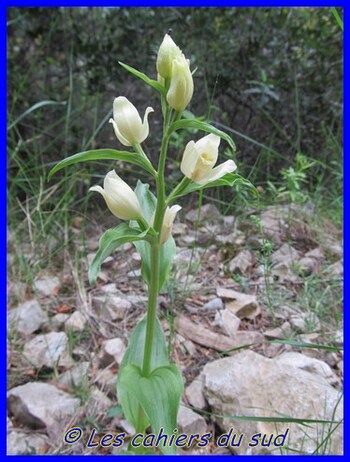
point(149, 384)
point(293, 180)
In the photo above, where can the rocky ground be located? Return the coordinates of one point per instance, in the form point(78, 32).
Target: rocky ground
point(244, 300)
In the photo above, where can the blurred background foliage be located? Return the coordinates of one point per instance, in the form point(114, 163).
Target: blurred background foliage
point(271, 77)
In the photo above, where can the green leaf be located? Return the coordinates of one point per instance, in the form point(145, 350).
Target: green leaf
point(111, 240)
point(204, 126)
point(105, 154)
point(230, 179)
point(36, 106)
point(148, 204)
point(153, 83)
point(159, 395)
point(114, 411)
point(134, 352)
point(134, 355)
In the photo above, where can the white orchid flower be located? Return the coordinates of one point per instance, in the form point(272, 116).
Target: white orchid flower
point(199, 159)
point(120, 198)
point(127, 123)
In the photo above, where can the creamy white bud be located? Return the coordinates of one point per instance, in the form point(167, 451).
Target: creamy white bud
point(168, 51)
point(181, 85)
point(199, 159)
point(127, 123)
point(168, 221)
point(120, 198)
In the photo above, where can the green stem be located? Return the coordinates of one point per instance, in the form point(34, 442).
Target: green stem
point(159, 215)
point(151, 310)
point(178, 190)
point(153, 288)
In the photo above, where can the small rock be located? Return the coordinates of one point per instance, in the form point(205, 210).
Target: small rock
point(98, 403)
point(186, 345)
point(334, 248)
point(179, 229)
point(229, 221)
point(47, 286)
point(339, 338)
point(237, 238)
point(136, 273)
point(247, 337)
point(22, 443)
point(244, 306)
point(76, 322)
point(58, 321)
point(106, 380)
point(188, 239)
point(194, 393)
point(274, 224)
point(286, 256)
point(305, 322)
point(112, 351)
point(314, 337)
point(286, 311)
point(330, 357)
point(184, 256)
point(126, 426)
point(137, 300)
point(307, 266)
point(208, 213)
point(49, 350)
point(190, 422)
point(335, 270)
point(76, 375)
point(227, 321)
point(315, 366)
point(109, 288)
point(340, 366)
point(41, 405)
point(107, 263)
point(92, 244)
point(214, 305)
point(16, 290)
point(316, 253)
point(241, 262)
point(279, 332)
point(223, 292)
point(114, 306)
point(27, 318)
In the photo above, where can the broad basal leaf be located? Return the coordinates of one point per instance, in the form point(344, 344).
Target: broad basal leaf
point(134, 355)
point(135, 350)
point(105, 154)
point(159, 395)
point(109, 241)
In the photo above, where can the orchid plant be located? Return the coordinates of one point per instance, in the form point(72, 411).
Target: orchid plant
point(149, 384)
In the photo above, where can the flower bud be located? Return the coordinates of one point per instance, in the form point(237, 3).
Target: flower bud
point(120, 198)
point(199, 159)
point(181, 84)
point(127, 123)
point(168, 51)
point(169, 217)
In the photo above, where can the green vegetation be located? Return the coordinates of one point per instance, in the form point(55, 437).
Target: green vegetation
point(269, 77)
